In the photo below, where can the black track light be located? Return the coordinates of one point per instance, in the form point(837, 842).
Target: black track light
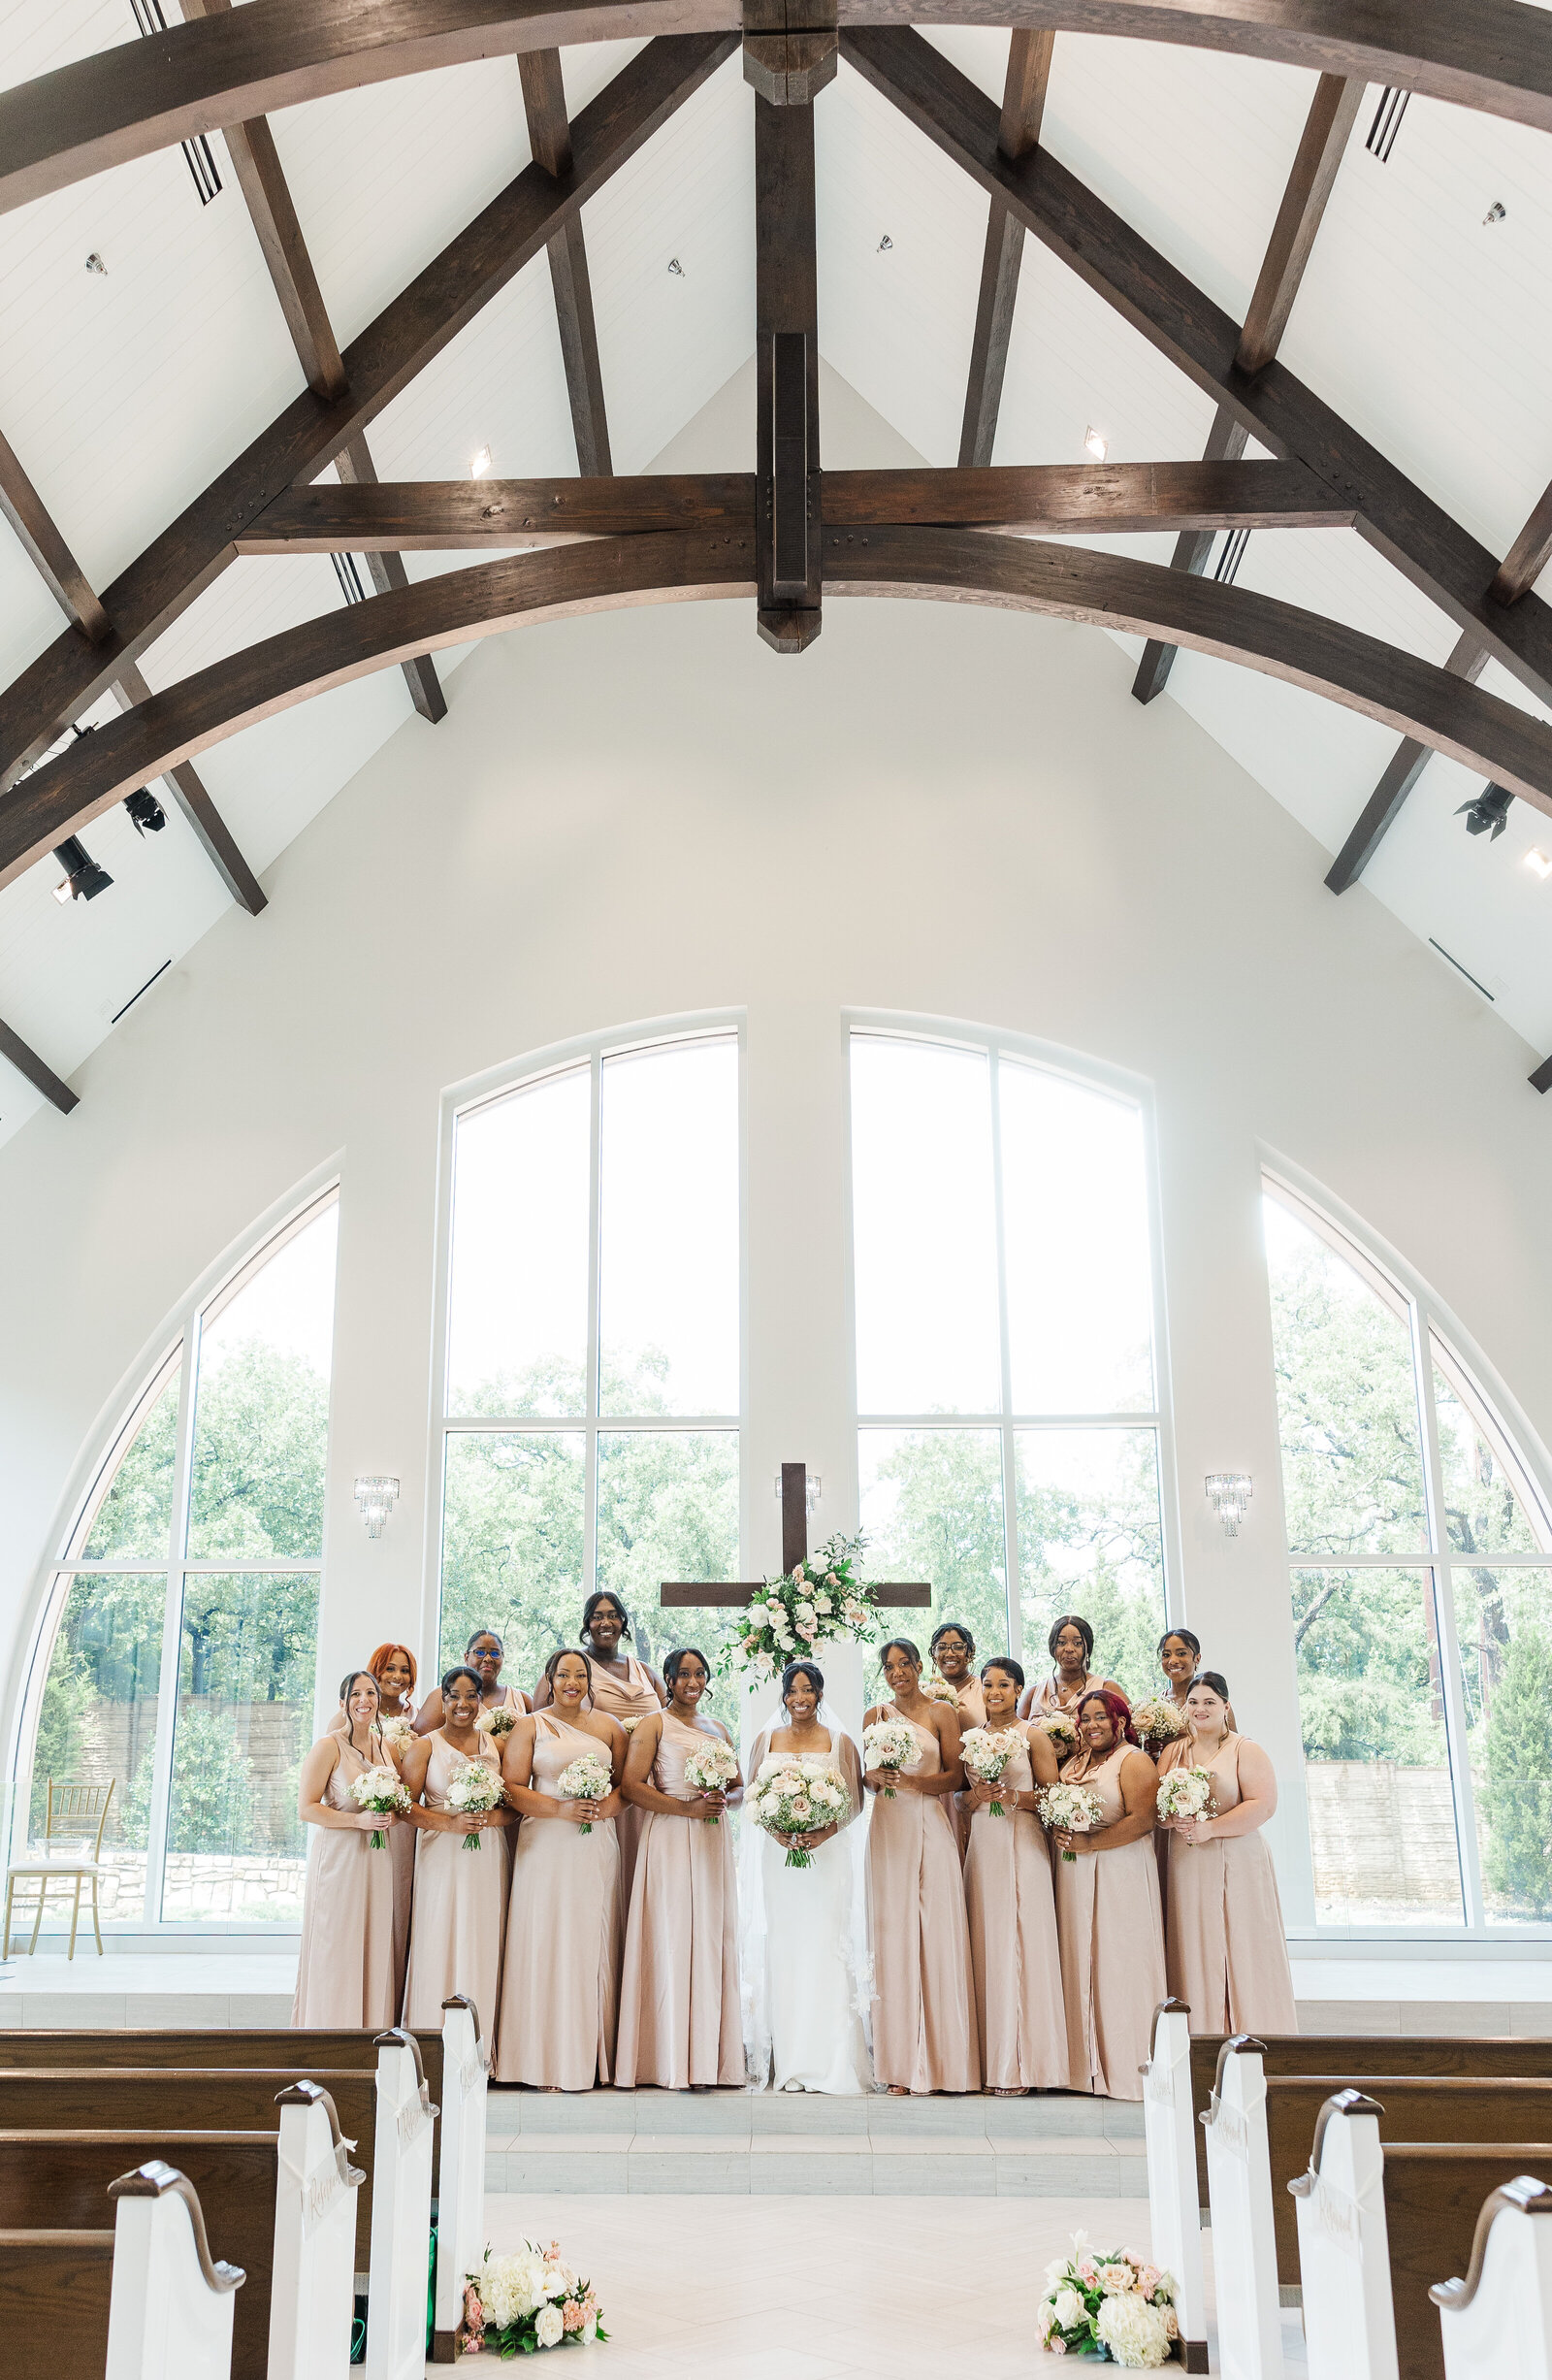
point(83, 878)
point(146, 811)
point(1488, 813)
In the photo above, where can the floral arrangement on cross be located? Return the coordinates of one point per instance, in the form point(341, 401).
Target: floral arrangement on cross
point(820, 1601)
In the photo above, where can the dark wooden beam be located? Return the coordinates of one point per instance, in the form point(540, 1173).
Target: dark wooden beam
point(67, 582)
point(786, 365)
point(187, 789)
point(549, 136)
point(1322, 146)
point(356, 468)
point(1495, 738)
point(42, 1078)
point(1527, 556)
point(416, 326)
point(126, 102)
point(1192, 548)
point(1080, 499)
point(1023, 101)
point(1413, 533)
point(1407, 765)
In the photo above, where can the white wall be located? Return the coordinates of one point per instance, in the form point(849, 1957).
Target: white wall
point(938, 811)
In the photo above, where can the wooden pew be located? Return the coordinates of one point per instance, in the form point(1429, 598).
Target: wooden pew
point(1499, 2319)
point(1378, 2224)
point(56, 2285)
point(279, 2046)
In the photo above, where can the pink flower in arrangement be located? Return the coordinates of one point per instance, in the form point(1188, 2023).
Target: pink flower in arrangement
point(473, 2342)
point(571, 2315)
point(1088, 2273)
point(589, 2304)
point(1056, 2343)
point(806, 1632)
point(473, 2311)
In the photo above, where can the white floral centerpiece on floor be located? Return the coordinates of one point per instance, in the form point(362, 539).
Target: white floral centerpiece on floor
point(520, 2304)
point(380, 1790)
point(1112, 2306)
point(820, 1602)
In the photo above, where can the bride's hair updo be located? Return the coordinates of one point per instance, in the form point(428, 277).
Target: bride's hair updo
point(803, 1669)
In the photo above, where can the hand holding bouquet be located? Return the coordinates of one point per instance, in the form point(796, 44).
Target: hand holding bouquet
point(792, 1800)
point(1071, 1809)
point(1186, 1794)
point(588, 1778)
point(498, 1723)
point(1158, 1722)
point(986, 1752)
point(711, 1768)
point(890, 1745)
point(380, 1789)
point(1062, 1731)
point(1113, 2307)
point(475, 1788)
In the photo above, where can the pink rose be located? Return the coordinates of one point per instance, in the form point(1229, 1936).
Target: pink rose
point(473, 2311)
point(1056, 2343)
point(571, 2315)
point(473, 2342)
point(805, 1632)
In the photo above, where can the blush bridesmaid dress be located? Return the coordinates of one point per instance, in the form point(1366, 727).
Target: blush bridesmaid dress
point(1225, 1946)
point(560, 1986)
point(1012, 1912)
point(346, 1968)
point(460, 1910)
point(923, 1990)
point(631, 1697)
point(681, 2010)
point(1109, 1926)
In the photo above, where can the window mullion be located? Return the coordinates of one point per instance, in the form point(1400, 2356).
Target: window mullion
point(589, 1487)
point(1456, 1733)
point(158, 1826)
point(1010, 1451)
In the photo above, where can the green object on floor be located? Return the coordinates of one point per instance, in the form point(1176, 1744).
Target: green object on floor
point(358, 2332)
point(431, 2286)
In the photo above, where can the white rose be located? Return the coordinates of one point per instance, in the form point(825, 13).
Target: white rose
point(557, 2281)
point(805, 1611)
point(1068, 2309)
point(764, 1664)
point(1113, 2279)
point(549, 2327)
point(823, 1603)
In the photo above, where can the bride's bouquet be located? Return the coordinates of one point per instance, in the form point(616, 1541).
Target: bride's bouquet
point(475, 1788)
point(986, 1752)
point(1158, 1722)
point(1062, 1731)
point(380, 1789)
point(711, 1768)
point(398, 1735)
point(1187, 1793)
point(498, 1724)
point(888, 1744)
point(820, 1601)
point(789, 1797)
point(1077, 1810)
point(587, 1779)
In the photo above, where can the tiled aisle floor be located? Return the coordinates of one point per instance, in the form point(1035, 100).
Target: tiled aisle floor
point(854, 2289)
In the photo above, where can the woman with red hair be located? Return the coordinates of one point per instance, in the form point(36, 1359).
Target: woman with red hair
point(395, 1669)
point(1109, 1919)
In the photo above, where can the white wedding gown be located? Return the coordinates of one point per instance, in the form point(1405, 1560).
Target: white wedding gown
point(807, 1979)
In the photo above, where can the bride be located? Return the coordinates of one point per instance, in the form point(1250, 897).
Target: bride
point(805, 1960)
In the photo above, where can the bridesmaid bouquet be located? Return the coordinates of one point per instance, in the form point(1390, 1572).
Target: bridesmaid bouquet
point(1114, 2307)
point(398, 1736)
point(889, 1743)
point(1076, 1808)
point(986, 1752)
point(1187, 1793)
point(496, 1723)
point(939, 1690)
point(711, 1768)
point(475, 1788)
point(1159, 1721)
point(587, 1779)
point(380, 1789)
point(530, 2299)
point(1062, 1731)
point(789, 1799)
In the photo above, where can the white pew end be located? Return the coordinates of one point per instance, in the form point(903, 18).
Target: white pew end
point(170, 2311)
point(1239, 2182)
point(1175, 2218)
point(401, 2213)
point(1349, 2322)
point(312, 2300)
point(460, 2170)
point(1499, 2320)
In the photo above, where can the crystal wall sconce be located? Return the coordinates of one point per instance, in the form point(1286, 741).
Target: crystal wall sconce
point(376, 1498)
point(811, 1489)
point(1229, 1492)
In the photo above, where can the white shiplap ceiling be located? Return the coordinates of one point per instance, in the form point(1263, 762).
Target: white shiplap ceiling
point(124, 393)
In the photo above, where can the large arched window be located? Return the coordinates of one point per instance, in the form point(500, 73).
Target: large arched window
point(1006, 1380)
point(1421, 1552)
point(177, 1652)
point(593, 1364)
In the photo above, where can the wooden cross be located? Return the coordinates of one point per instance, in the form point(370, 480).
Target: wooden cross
point(679, 1593)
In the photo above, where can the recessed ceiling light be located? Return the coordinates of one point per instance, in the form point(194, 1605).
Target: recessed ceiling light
point(1538, 861)
point(676, 268)
point(480, 464)
point(884, 245)
point(1496, 213)
point(1098, 447)
point(95, 264)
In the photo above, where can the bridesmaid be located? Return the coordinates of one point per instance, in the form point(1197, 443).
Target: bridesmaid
point(1011, 1909)
point(681, 2011)
point(484, 1654)
point(345, 1971)
point(923, 1990)
point(1180, 1657)
point(561, 1991)
point(1108, 1917)
point(1071, 1645)
point(623, 1688)
point(395, 1670)
point(455, 1944)
point(952, 1650)
point(1226, 1949)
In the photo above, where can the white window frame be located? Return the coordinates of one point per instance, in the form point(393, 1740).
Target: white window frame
point(590, 1425)
point(1110, 1083)
point(1429, 1322)
point(180, 1339)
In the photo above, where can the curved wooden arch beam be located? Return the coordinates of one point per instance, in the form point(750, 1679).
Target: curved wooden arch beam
point(608, 573)
point(124, 103)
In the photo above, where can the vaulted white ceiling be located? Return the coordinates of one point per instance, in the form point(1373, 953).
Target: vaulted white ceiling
point(125, 393)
